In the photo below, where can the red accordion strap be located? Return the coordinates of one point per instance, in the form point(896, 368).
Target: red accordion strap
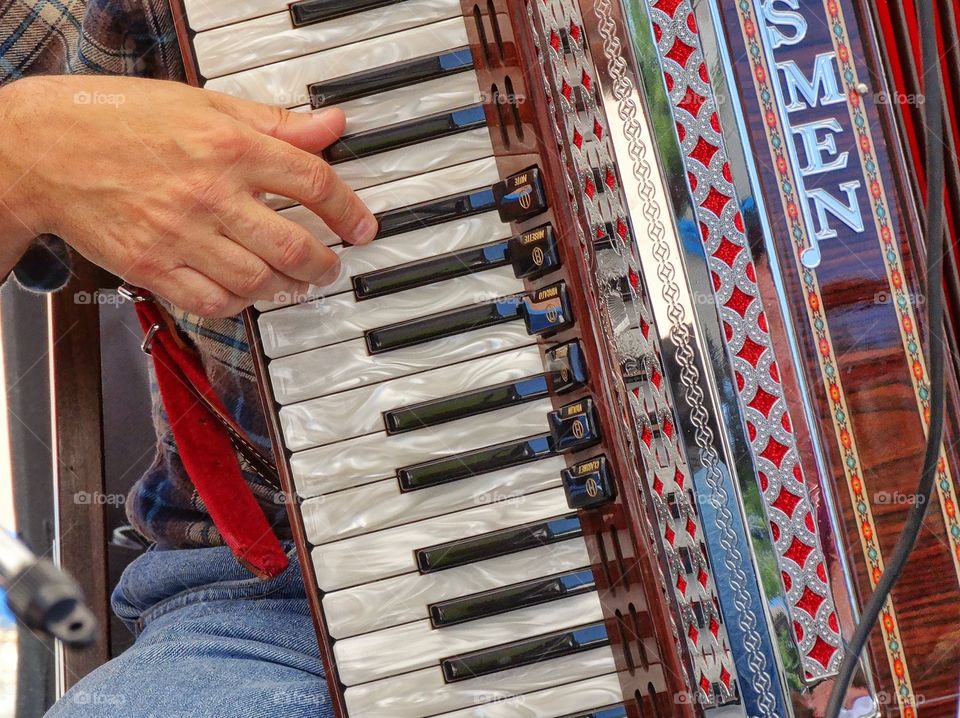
point(205, 446)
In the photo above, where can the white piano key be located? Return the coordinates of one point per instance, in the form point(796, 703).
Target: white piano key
point(391, 552)
point(402, 248)
point(373, 507)
point(405, 103)
point(411, 246)
point(419, 645)
point(206, 14)
point(365, 459)
point(285, 83)
point(562, 700)
point(425, 693)
point(403, 193)
point(348, 365)
point(267, 39)
point(360, 411)
point(404, 162)
point(328, 320)
point(392, 601)
point(409, 161)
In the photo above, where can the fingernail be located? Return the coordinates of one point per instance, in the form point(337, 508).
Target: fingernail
point(326, 113)
point(331, 275)
point(365, 231)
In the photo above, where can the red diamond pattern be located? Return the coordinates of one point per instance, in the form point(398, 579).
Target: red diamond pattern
point(798, 552)
point(786, 502)
point(715, 201)
point(822, 652)
point(739, 301)
point(774, 452)
point(750, 351)
point(810, 601)
point(763, 401)
point(727, 252)
point(692, 102)
point(703, 152)
point(680, 52)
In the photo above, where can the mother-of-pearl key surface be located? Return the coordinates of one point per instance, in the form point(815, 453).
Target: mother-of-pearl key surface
point(364, 527)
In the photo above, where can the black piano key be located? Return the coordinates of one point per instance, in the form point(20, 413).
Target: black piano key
point(444, 324)
point(310, 12)
point(521, 196)
point(575, 426)
point(524, 652)
point(404, 134)
point(434, 212)
point(430, 270)
point(471, 463)
point(391, 77)
point(498, 543)
point(510, 598)
point(468, 403)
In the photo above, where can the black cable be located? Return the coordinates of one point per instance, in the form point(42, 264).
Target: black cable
point(933, 114)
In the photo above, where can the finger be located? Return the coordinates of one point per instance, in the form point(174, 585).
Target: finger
point(282, 169)
point(194, 292)
point(311, 132)
point(284, 245)
point(238, 270)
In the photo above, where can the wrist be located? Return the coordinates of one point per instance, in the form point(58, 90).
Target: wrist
point(20, 217)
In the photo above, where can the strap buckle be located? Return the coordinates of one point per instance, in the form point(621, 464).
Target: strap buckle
point(133, 294)
point(147, 345)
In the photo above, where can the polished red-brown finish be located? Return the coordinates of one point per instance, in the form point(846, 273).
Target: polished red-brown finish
point(876, 378)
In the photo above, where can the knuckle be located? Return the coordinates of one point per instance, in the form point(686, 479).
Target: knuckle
point(214, 304)
point(320, 180)
point(294, 252)
point(254, 280)
point(230, 141)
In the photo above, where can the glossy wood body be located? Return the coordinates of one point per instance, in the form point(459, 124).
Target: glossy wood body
point(855, 291)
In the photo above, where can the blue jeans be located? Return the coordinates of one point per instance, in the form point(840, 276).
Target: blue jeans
point(212, 642)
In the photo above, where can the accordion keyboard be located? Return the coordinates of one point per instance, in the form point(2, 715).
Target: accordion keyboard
point(414, 393)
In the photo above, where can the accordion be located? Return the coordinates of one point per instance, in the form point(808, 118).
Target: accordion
point(622, 410)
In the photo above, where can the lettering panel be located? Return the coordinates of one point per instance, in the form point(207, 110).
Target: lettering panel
point(844, 230)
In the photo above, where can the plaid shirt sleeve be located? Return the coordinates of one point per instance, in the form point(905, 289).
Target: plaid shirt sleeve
point(101, 37)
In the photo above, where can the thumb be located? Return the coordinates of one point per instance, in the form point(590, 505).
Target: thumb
point(309, 131)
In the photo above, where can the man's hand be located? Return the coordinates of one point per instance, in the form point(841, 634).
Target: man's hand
point(160, 184)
